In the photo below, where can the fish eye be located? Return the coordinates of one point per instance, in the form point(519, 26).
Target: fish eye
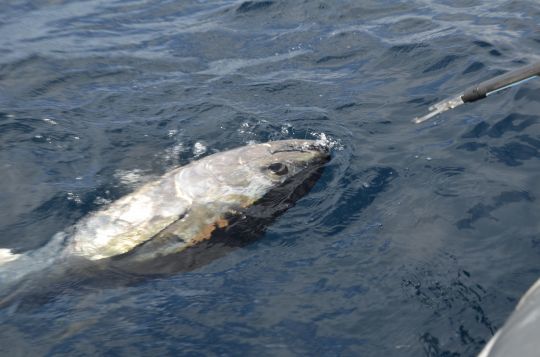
point(278, 168)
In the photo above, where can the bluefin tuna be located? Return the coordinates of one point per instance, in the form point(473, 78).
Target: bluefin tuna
point(182, 210)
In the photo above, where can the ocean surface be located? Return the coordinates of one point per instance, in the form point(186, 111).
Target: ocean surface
point(418, 240)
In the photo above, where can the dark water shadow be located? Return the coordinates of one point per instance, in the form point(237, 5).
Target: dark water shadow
point(360, 190)
point(481, 210)
point(515, 150)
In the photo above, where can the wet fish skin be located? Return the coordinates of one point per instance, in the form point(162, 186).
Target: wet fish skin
point(198, 194)
point(188, 203)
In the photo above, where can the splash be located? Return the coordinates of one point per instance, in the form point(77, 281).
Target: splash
point(129, 178)
point(199, 149)
point(324, 140)
point(173, 153)
point(7, 256)
point(50, 121)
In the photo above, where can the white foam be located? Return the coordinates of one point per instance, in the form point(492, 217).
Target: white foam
point(129, 178)
point(7, 256)
point(50, 121)
point(102, 201)
point(74, 197)
point(173, 153)
point(325, 141)
point(198, 149)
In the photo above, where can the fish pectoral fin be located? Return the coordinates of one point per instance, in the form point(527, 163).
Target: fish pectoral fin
point(195, 227)
point(206, 231)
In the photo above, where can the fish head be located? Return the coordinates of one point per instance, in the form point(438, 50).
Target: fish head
point(248, 173)
point(279, 161)
point(288, 170)
point(257, 168)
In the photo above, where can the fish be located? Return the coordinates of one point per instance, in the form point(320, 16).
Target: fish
point(217, 202)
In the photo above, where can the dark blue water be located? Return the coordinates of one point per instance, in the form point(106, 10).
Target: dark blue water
point(418, 239)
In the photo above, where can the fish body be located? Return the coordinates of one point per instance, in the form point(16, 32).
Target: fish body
point(180, 210)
